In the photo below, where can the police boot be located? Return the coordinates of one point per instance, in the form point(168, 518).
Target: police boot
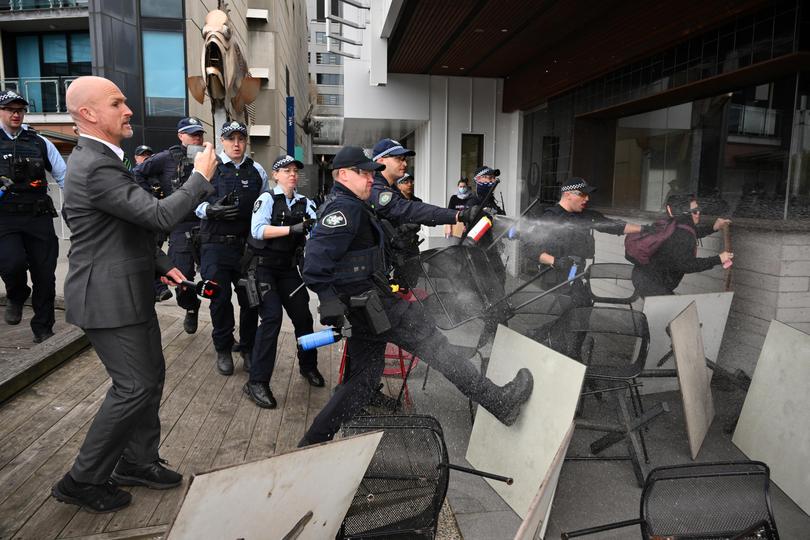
point(504, 402)
point(190, 321)
point(13, 313)
point(225, 362)
point(247, 357)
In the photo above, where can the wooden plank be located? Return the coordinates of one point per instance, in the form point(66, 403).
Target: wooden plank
point(294, 417)
point(21, 370)
point(206, 442)
point(27, 403)
point(18, 440)
point(145, 533)
point(265, 432)
point(33, 495)
point(16, 472)
point(178, 352)
point(177, 444)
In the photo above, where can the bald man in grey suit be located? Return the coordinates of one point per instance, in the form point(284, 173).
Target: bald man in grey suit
point(113, 261)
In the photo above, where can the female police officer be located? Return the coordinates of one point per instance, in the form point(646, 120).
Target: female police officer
point(281, 220)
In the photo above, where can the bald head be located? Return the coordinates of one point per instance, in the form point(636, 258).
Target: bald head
point(98, 107)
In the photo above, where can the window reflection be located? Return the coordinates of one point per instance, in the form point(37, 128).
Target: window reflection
point(164, 73)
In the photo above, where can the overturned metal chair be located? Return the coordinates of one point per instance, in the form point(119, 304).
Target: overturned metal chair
point(728, 500)
point(404, 487)
point(612, 343)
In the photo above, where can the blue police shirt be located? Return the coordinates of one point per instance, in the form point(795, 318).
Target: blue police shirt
point(58, 166)
point(263, 210)
point(223, 157)
point(389, 203)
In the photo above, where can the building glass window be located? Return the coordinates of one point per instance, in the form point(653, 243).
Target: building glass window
point(162, 9)
point(330, 99)
point(472, 154)
point(328, 58)
point(320, 37)
point(164, 73)
point(334, 79)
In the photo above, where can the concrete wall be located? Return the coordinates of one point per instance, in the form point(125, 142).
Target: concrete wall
point(769, 280)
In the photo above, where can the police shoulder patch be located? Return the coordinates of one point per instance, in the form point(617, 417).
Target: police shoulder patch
point(334, 220)
point(385, 197)
point(257, 205)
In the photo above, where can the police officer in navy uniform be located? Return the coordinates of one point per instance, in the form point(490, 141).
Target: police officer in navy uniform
point(225, 227)
point(281, 220)
point(27, 237)
point(402, 213)
point(484, 178)
point(164, 173)
point(345, 258)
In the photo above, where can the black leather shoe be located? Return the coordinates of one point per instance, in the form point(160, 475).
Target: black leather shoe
point(260, 394)
point(152, 475)
point(225, 362)
point(190, 322)
point(98, 499)
point(39, 337)
point(13, 313)
point(513, 395)
point(247, 358)
point(313, 377)
point(163, 295)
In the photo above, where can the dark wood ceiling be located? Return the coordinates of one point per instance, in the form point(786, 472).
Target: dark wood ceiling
point(544, 47)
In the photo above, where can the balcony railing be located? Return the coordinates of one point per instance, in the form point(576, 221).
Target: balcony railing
point(44, 95)
point(28, 5)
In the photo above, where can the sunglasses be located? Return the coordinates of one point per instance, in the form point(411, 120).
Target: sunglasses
point(15, 110)
point(361, 172)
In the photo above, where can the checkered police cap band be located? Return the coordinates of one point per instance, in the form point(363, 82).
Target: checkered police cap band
point(283, 162)
point(573, 187)
point(232, 128)
point(484, 172)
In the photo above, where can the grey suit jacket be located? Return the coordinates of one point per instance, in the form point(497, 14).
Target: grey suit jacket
point(113, 257)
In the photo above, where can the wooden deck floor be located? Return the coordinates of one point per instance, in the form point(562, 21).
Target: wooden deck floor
point(207, 422)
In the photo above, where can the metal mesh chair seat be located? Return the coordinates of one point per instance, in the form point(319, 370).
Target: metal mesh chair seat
point(611, 283)
point(706, 501)
point(611, 342)
point(714, 500)
point(404, 487)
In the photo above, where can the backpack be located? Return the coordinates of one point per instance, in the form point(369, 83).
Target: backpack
point(640, 247)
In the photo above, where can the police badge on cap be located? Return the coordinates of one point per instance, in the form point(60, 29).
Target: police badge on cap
point(229, 128)
point(9, 96)
point(284, 161)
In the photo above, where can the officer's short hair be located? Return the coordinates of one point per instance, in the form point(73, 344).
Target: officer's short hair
point(335, 173)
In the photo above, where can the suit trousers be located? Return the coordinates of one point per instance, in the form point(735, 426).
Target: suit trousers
point(282, 283)
point(127, 424)
point(221, 263)
point(29, 243)
point(413, 329)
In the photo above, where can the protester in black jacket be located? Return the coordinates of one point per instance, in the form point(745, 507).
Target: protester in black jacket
point(677, 256)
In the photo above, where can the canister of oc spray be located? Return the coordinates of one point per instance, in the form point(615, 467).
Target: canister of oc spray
point(476, 233)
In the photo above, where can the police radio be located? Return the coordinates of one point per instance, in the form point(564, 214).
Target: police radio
point(204, 289)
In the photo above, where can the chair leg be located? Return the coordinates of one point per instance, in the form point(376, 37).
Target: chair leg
point(342, 364)
point(427, 372)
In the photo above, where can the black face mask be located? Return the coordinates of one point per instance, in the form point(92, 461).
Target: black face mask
point(482, 188)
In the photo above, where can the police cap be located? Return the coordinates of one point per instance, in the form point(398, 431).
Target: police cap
point(354, 156)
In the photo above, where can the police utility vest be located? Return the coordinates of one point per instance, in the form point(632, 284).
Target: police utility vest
point(24, 161)
point(246, 184)
point(282, 249)
point(366, 254)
